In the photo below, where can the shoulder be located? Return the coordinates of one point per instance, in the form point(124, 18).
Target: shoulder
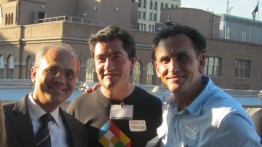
point(145, 96)
point(8, 109)
point(8, 106)
point(257, 115)
point(79, 104)
point(70, 119)
point(82, 99)
point(241, 127)
point(17, 106)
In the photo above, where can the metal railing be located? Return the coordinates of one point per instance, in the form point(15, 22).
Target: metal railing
point(82, 20)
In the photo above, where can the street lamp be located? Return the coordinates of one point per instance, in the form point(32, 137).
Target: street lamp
point(230, 10)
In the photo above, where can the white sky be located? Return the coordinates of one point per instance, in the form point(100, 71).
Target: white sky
point(240, 8)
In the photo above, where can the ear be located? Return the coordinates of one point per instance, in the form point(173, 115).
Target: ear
point(202, 62)
point(133, 62)
point(157, 69)
point(33, 74)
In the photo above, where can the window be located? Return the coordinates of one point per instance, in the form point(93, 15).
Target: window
point(155, 17)
point(155, 5)
point(242, 68)
point(150, 16)
point(10, 67)
point(29, 64)
point(136, 73)
point(139, 14)
point(1, 14)
point(166, 5)
point(153, 28)
point(144, 15)
point(11, 19)
point(151, 5)
point(213, 66)
point(6, 19)
point(244, 36)
point(162, 5)
point(1, 67)
point(228, 33)
point(144, 3)
point(141, 26)
point(90, 70)
point(139, 3)
point(149, 74)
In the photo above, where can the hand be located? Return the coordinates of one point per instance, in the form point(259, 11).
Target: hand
point(91, 89)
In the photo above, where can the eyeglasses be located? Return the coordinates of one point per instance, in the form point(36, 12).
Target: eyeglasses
point(55, 71)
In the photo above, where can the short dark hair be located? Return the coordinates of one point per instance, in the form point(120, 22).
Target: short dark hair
point(198, 40)
point(110, 33)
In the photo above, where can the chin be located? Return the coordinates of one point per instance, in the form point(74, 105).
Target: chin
point(173, 88)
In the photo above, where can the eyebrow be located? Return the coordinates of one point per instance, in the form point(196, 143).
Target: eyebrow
point(164, 57)
point(113, 53)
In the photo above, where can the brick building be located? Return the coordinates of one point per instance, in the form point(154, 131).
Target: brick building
point(27, 25)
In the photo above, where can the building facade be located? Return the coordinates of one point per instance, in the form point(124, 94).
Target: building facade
point(149, 12)
point(240, 29)
point(206, 22)
point(100, 12)
point(231, 64)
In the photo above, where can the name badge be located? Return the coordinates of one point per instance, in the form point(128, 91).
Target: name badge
point(191, 131)
point(121, 112)
point(137, 125)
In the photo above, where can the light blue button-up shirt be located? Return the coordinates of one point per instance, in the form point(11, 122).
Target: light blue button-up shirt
point(213, 119)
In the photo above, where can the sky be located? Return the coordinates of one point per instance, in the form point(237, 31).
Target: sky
point(240, 8)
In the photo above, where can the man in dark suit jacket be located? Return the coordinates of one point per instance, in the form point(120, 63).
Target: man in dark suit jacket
point(54, 75)
point(2, 128)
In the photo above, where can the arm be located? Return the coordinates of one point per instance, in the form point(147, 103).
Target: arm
point(237, 129)
point(91, 89)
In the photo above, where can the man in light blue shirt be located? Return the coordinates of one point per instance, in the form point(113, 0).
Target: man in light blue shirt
point(200, 114)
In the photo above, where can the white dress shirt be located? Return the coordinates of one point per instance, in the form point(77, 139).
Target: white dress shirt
point(56, 128)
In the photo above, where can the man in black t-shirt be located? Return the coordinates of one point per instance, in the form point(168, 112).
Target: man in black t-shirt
point(118, 113)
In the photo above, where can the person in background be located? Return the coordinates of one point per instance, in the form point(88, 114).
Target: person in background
point(119, 113)
point(200, 113)
point(37, 120)
point(2, 128)
point(257, 117)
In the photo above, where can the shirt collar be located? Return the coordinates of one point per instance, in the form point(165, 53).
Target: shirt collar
point(36, 111)
point(196, 106)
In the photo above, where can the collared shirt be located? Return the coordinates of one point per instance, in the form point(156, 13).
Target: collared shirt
point(213, 119)
point(167, 111)
point(56, 128)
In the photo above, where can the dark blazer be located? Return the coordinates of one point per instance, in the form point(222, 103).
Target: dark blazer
point(20, 130)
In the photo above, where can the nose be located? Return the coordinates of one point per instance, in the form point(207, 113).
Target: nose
point(59, 77)
point(108, 64)
point(173, 66)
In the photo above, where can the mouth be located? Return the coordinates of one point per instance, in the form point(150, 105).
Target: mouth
point(109, 74)
point(57, 88)
point(175, 78)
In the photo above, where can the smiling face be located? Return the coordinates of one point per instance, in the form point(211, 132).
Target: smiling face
point(113, 67)
point(178, 65)
point(54, 78)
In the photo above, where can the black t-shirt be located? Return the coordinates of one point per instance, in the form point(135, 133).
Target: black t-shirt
point(93, 109)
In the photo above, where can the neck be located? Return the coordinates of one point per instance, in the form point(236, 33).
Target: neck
point(47, 106)
point(118, 93)
point(184, 99)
